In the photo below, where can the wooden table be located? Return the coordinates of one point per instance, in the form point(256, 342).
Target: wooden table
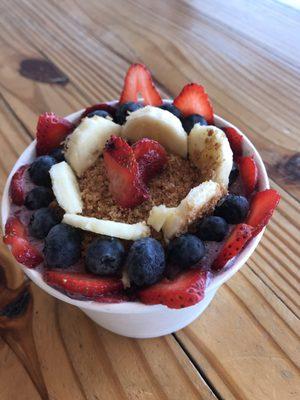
point(246, 54)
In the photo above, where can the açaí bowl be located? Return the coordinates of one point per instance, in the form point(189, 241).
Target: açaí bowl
point(135, 319)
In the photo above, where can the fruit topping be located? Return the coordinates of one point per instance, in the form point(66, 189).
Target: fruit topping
point(39, 170)
point(38, 197)
point(125, 181)
point(99, 113)
point(233, 209)
point(110, 110)
point(235, 140)
point(58, 154)
point(145, 262)
point(209, 150)
point(150, 156)
point(184, 291)
point(124, 110)
point(66, 188)
point(185, 251)
point(51, 131)
point(172, 109)
point(86, 285)
point(105, 256)
point(212, 228)
point(17, 186)
point(62, 246)
point(157, 124)
point(233, 245)
point(194, 100)
point(138, 80)
point(234, 173)
point(23, 251)
point(191, 120)
point(42, 221)
point(249, 173)
point(262, 207)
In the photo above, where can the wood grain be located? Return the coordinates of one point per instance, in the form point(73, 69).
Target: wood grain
point(246, 345)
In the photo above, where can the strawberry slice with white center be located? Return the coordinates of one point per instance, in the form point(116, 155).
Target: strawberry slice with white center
point(194, 100)
point(86, 285)
point(240, 235)
point(236, 142)
point(51, 130)
point(125, 181)
point(138, 80)
point(23, 251)
point(150, 156)
point(17, 186)
point(262, 207)
point(248, 173)
point(184, 291)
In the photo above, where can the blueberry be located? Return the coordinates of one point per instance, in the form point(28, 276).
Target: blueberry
point(62, 246)
point(172, 109)
point(123, 111)
point(38, 197)
point(145, 262)
point(99, 113)
point(42, 221)
point(189, 122)
point(39, 170)
point(212, 228)
point(233, 209)
point(104, 256)
point(185, 250)
point(58, 154)
point(234, 173)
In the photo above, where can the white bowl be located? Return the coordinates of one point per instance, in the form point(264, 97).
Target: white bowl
point(135, 319)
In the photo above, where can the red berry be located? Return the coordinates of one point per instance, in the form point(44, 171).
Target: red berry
point(262, 207)
point(233, 245)
point(25, 253)
point(125, 182)
point(86, 285)
point(249, 173)
point(51, 131)
point(184, 291)
point(14, 228)
point(112, 298)
point(150, 156)
point(194, 100)
point(236, 142)
point(138, 80)
point(17, 186)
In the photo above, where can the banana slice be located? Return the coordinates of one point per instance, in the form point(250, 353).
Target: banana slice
point(210, 151)
point(66, 188)
point(86, 143)
point(161, 125)
point(108, 228)
point(158, 216)
point(200, 201)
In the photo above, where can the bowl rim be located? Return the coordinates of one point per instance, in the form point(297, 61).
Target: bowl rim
point(137, 307)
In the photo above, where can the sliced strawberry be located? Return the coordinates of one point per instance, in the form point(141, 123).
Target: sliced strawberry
point(150, 156)
point(233, 245)
point(262, 207)
point(184, 291)
point(194, 100)
point(50, 132)
point(86, 285)
point(17, 186)
point(112, 298)
point(25, 253)
point(235, 141)
point(101, 106)
point(138, 80)
point(249, 173)
point(125, 182)
point(14, 228)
